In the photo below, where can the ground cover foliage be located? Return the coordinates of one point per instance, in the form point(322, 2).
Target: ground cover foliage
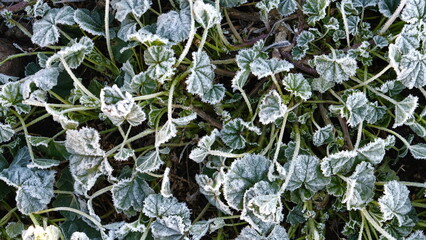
point(226, 119)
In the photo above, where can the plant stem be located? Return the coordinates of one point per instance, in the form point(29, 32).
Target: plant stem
point(107, 36)
point(219, 28)
point(345, 23)
point(280, 138)
point(30, 147)
point(293, 159)
point(191, 36)
point(226, 155)
point(145, 234)
point(134, 138)
point(362, 228)
point(22, 55)
point(274, 79)
point(231, 26)
point(202, 213)
point(247, 101)
point(374, 77)
point(406, 143)
point(203, 40)
point(373, 222)
point(393, 17)
point(149, 96)
point(409, 184)
point(359, 135)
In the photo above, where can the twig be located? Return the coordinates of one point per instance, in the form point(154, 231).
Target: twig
point(206, 117)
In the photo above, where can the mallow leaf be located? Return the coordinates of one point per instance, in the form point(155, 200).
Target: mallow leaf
point(147, 38)
point(321, 85)
point(336, 67)
point(201, 78)
point(203, 148)
point(34, 186)
point(360, 187)
point(418, 151)
point(210, 188)
point(215, 94)
point(242, 175)
point(323, 135)
point(45, 30)
point(267, 67)
point(231, 3)
point(73, 54)
point(271, 108)
point(90, 21)
point(395, 202)
point(160, 60)
point(11, 96)
point(277, 233)
point(341, 162)
point(128, 194)
point(388, 7)
point(6, 132)
point(174, 26)
point(246, 56)
point(357, 106)
point(364, 3)
point(413, 69)
point(417, 235)
point(45, 79)
point(169, 228)
point(135, 7)
point(149, 162)
point(315, 9)
point(287, 7)
point(141, 84)
point(166, 132)
point(374, 151)
point(404, 110)
point(414, 11)
point(120, 107)
point(297, 85)
point(156, 205)
point(231, 133)
point(206, 14)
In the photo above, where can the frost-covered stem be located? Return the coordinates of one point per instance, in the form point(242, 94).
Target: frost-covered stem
point(77, 109)
point(76, 81)
point(22, 28)
point(219, 28)
point(274, 79)
point(137, 20)
point(226, 154)
point(145, 234)
point(393, 17)
point(149, 96)
point(280, 138)
point(125, 137)
point(362, 228)
point(34, 220)
point(68, 209)
point(203, 40)
point(134, 138)
point(244, 95)
point(293, 159)
point(7, 216)
point(22, 55)
point(359, 135)
point(191, 36)
point(423, 91)
point(170, 100)
point(271, 141)
point(202, 213)
point(100, 192)
point(224, 62)
point(345, 23)
point(107, 36)
point(409, 184)
point(406, 143)
point(46, 115)
point(336, 96)
point(30, 147)
point(373, 78)
point(373, 222)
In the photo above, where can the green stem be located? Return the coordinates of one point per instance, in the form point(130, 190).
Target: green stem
point(134, 138)
point(22, 28)
point(274, 79)
point(345, 23)
point(373, 222)
point(246, 100)
point(359, 135)
point(34, 219)
point(145, 234)
point(293, 159)
point(22, 55)
point(30, 147)
point(191, 36)
point(203, 40)
point(149, 96)
point(393, 17)
point(226, 155)
point(219, 28)
point(202, 213)
point(374, 77)
point(409, 184)
point(280, 138)
point(107, 36)
point(7, 216)
point(406, 143)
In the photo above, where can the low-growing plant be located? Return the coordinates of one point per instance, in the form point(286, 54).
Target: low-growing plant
point(168, 120)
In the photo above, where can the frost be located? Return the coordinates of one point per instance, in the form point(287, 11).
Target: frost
point(413, 70)
point(215, 94)
point(323, 135)
point(242, 175)
point(166, 132)
point(205, 14)
point(277, 233)
point(170, 228)
point(374, 151)
point(90, 21)
point(160, 60)
point(203, 148)
point(418, 151)
point(240, 79)
point(414, 11)
point(271, 108)
point(174, 25)
point(395, 202)
point(6, 132)
point(155, 205)
point(123, 154)
point(231, 3)
point(264, 201)
point(298, 85)
point(267, 67)
point(182, 121)
point(315, 9)
point(45, 30)
point(146, 37)
point(417, 235)
point(287, 7)
point(335, 68)
point(141, 84)
point(340, 162)
point(59, 117)
point(149, 162)
point(165, 184)
point(360, 187)
point(404, 110)
point(45, 79)
point(74, 54)
point(201, 78)
point(231, 133)
point(364, 3)
point(322, 85)
point(79, 236)
point(134, 7)
point(127, 28)
point(210, 188)
point(246, 56)
point(388, 7)
point(10, 95)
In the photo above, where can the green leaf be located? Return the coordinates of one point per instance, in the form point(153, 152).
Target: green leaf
point(404, 110)
point(155, 205)
point(341, 162)
point(414, 11)
point(395, 202)
point(360, 187)
point(375, 113)
point(388, 7)
point(45, 30)
point(335, 68)
point(210, 188)
point(6, 132)
point(364, 3)
point(267, 67)
point(298, 85)
point(160, 60)
point(323, 135)
point(127, 28)
point(169, 228)
point(278, 232)
point(174, 26)
point(141, 84)
point(215, 94)
point(128, 194)
point(10, 95)
point(417, 235)
point(315, 9)
point(14, 229)
point(90, 21)
point(166, 132)
point(271, 108)
point(203, 148)
point(413, 69)
point(246, 56)
point(74, 54)
point(287, 7)
point(231, 3)
point(206, 15)
point(231, 133)
point(147, 38)
point(123, 154)
point(374, 151)
point(322, 85)
point(201, 78)
point(242, 175)
point(418, 151)
point(240, 79)
point(134, 7)
point(149, 162)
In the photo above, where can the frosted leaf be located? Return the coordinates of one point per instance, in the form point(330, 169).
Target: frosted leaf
point(416, 127)
point(169, 228)
point(277, 233)
point(322, 85)
point(141, 84)
point(174, 26)
point(182, 121)
point(404, 110)
point(414, 11)
point(409, 39)
point(287, 7)
point(165, 184)
point(119, 107)
point(199, 229)
point(135, 7)
point(166, 132)
point(323, 135)
point(246, 56)
point(335, 68)
point(267, 67)
point(388, 7)
point(413, 70)
point(210, 188)
point(128, 194)
point(315, 9)
point(45, 30)
point(341, 162)
point(49, 233)
point(231, 3)
point(417, 235)
point(418, 151)
point(395, 202)
point(375, 113)
point(356, 108)
point(380, 41)
point(215, 94)
point(205, 14)
point(79, 236)
point(124, 154)
point(364, 3)
point(45, 79)
point(271, 108)
point(6, 132)
point(59, 117)
point(199, 153)
point(231, 133)
point(90, 21)
point(147, 38)
point(201, 78)
point(34, 186)
point(160, 60)
point(10, 95)
point(127, 28)
point(374, 151)
point(307, 175)
point(264, 202)
point(360, 187)
point(305, 38)
point(155, 205)
point(242, 175)
point(86, 160)
point(74, 54)
point(298, 85)
point(240, 79)
point(149, 162)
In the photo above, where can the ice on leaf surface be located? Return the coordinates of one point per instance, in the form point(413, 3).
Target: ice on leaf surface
point(11, 96)
point(210, 188)
point(73, 54)
point(404, 110)
point(277, 233)
point(156, 205)
point(413, 69)
point(45, 30)
point(206, 14)
point(336, 67)
point(34, 186)
point(271, 108)
point(418, 151)
point(170, 228)
point(166, 132)
point(90, 21)
point(297, 85)
point(6, 132)
point(203, 148)
point(315, 9)
point(134, 7)
point(395, 202)
point(388, 7)
point(287, 7)
point(231, 133)
point(323, 135)
point(242, 175)
point(201, 78)
point(414, 11)
point(231, 3)
point(174, 26)
point(267, 67)
point(160, 60)
point(374, 151)
point(149, 162)
point(360, 187)
point(147, 38)
point(341, 162)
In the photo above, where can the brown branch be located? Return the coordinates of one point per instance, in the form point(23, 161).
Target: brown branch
point(17, 7)
point(207, 117)
point(299, 64)
point(346, 135)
